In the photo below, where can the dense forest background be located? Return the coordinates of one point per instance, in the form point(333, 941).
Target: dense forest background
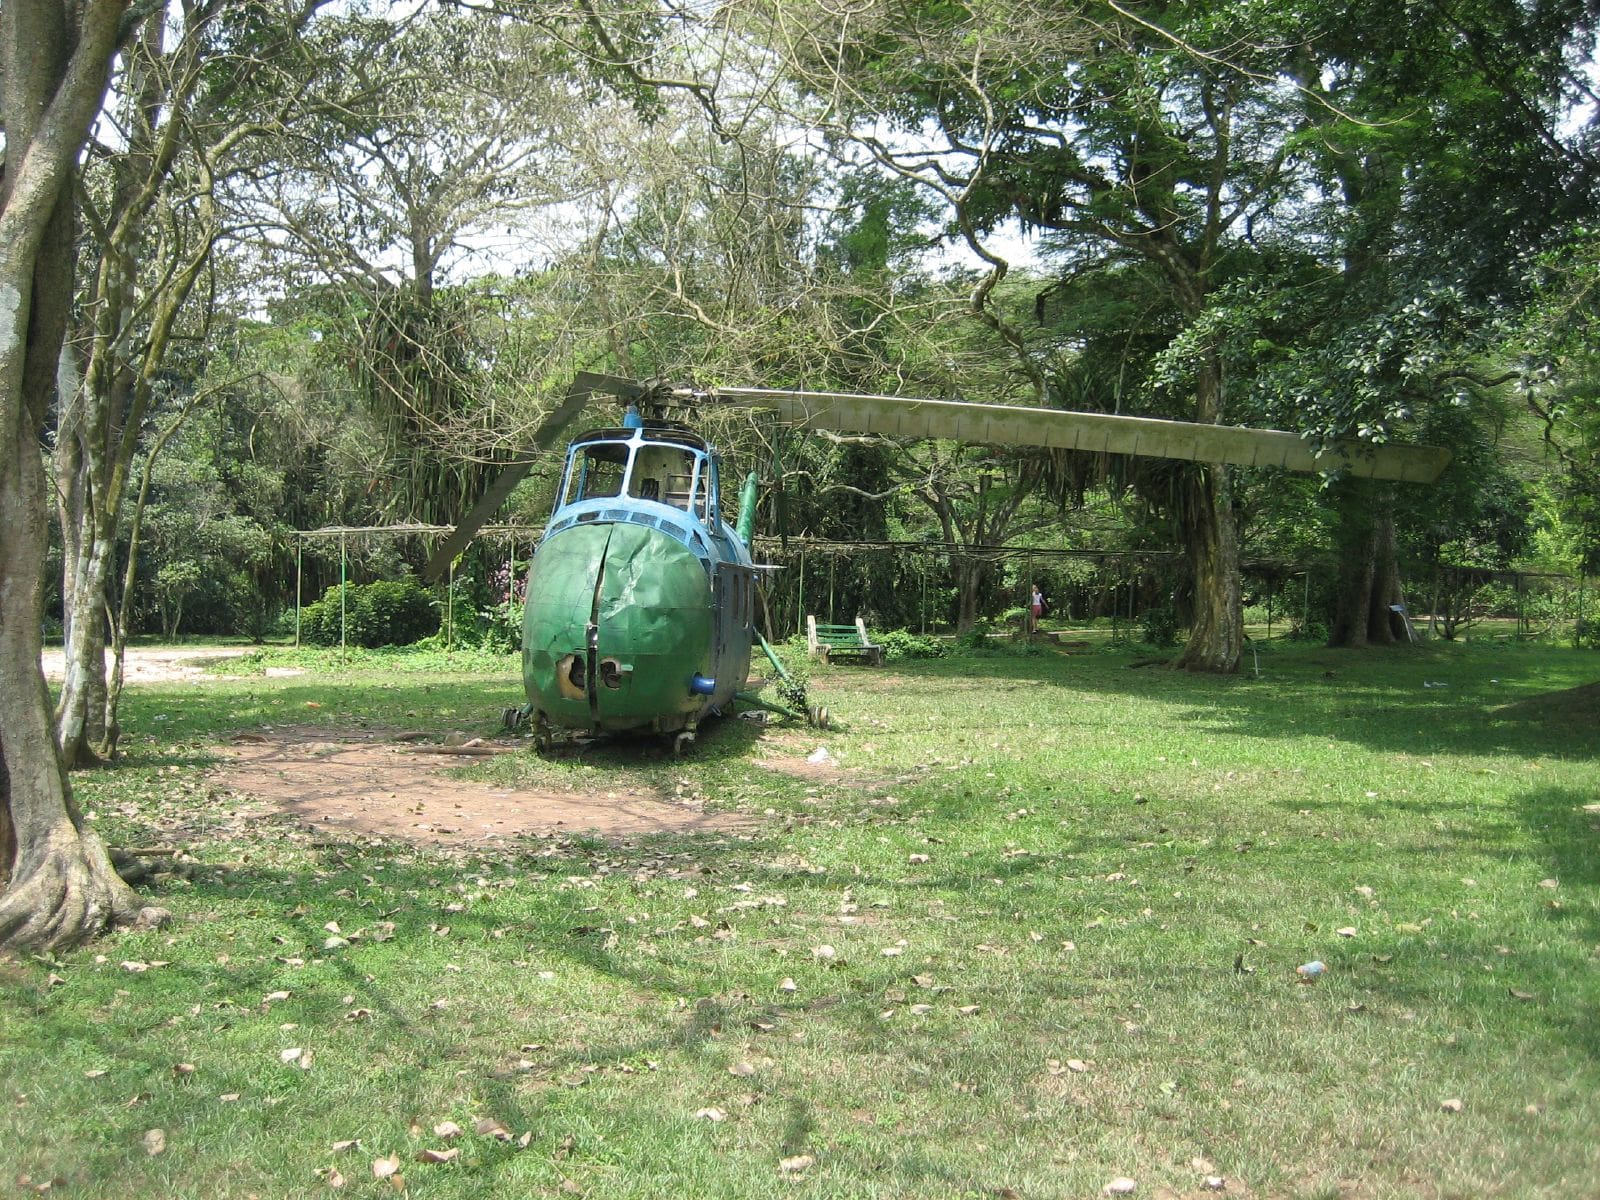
point(335, 262)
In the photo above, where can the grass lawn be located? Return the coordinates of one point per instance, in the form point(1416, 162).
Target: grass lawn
point(1035, 928)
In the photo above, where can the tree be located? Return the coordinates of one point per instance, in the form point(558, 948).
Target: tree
point(53, 76)
point(194, 84)
point(1111, 138)
point(438, 141)
point(1441, 162)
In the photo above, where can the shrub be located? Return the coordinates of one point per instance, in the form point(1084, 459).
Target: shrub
point(1159, 626)
point(902, 643)
point(389, 612)
point(975, 638)
point(1314, 631)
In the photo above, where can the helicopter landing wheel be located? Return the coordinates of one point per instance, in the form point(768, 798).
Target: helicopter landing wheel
point(543, 739)
point(817, 717)
point(512, 719)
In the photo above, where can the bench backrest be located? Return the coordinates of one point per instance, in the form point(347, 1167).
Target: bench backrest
point(819, 633)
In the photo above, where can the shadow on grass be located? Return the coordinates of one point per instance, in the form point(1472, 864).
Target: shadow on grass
point(1421, 700)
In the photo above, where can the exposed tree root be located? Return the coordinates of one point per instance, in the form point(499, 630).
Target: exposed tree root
point(68, 896)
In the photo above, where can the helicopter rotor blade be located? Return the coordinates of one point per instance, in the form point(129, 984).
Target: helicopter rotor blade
point(584, 384)
point(1014, 425)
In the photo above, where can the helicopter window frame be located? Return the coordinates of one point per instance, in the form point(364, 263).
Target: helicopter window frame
point(702, 490)
point(660, 463)
point(582, 482)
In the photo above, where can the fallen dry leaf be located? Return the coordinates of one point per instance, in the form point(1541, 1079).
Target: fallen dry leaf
point(155, 1141)
point(742, 1069)
point(447, 1130)
point(383, 1168)
point(182, 1070)
point(1120, 1186)
point(710, 1114)
point(1452, 1106)
point(439, 1156)
point(797, 1164)
point(489, 1127)
point(335, 1180)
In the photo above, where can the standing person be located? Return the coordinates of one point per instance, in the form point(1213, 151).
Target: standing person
point(1035, 609)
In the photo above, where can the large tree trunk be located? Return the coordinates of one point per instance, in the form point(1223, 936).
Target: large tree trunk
point(62, 886)
point(1369, 572)
point(969, 591)
point(54, 59)
point(1211, 543)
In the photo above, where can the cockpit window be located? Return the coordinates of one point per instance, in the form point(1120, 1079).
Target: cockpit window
point(662, 473)
point(597, 470)
point(672, 475)
point(666, 473)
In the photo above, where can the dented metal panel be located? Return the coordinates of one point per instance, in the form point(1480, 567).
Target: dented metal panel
point(648, 599)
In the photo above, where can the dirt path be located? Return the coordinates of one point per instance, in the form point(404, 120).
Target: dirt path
point(372, 783)
point(156, 664)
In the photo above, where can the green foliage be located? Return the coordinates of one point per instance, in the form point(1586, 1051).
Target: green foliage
point(795, 690)
point(1159, 625)
point(899, 644)
point(975, 638)
point(382, 613)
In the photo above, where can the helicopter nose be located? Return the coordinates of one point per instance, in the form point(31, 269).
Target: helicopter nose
point(617, 625)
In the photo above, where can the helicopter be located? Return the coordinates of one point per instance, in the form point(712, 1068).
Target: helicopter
point(640, 611)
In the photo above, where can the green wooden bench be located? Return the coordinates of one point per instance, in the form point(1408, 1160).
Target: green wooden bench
point(842, 643)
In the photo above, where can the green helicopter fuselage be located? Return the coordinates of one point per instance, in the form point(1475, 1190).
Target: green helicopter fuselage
point(641, 599)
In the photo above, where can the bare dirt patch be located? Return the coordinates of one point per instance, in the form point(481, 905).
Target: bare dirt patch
point(159, 664)
point(370, 783)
